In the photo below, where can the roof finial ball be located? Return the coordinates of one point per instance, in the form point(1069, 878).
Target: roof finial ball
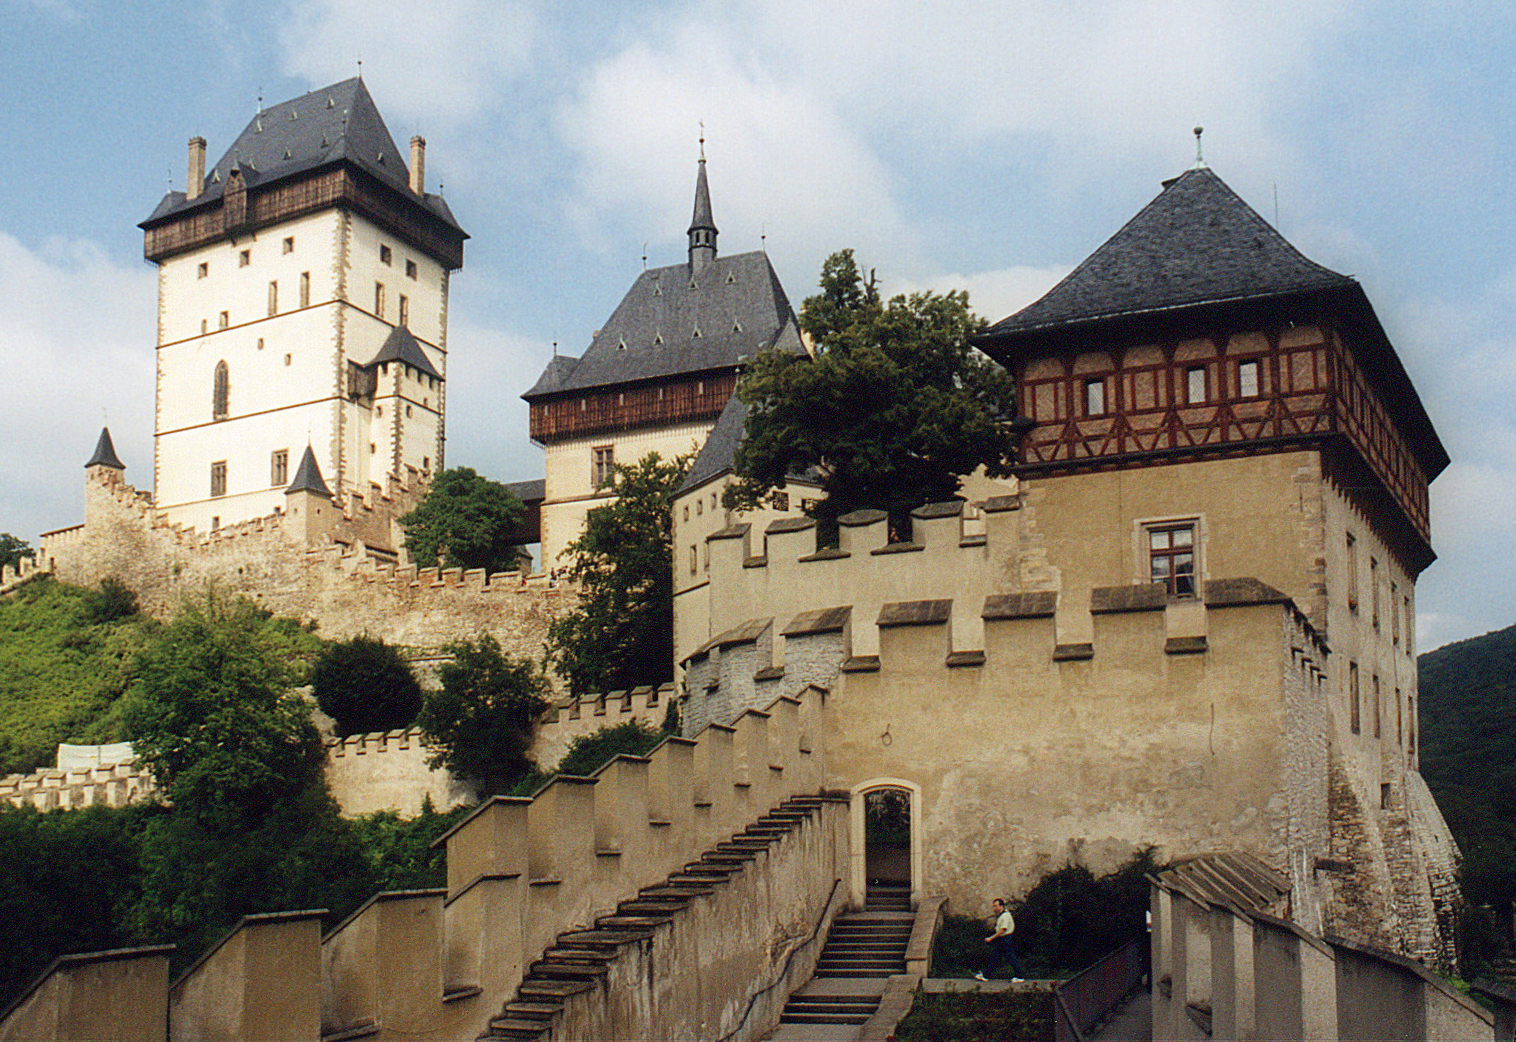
point(1199, 159)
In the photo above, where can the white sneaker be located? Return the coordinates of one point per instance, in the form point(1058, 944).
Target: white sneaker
point(979, 976)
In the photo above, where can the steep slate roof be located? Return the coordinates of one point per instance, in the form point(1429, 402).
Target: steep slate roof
point(105, 452)
point(339, 123)
point(308, 477)
point(401, 346)
point(736, 305)
point(1196, 243)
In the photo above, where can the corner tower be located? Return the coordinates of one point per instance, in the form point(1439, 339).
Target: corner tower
point(302, 298)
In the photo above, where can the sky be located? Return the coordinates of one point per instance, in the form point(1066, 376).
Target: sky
point(982, 146)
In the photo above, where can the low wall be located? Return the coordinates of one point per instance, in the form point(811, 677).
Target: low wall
point(51, 789)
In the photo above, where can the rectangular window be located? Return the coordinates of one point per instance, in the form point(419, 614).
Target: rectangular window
point(602, 464)
point(244, 258)
point(224, 320)
point(1353, 709)
point(379, 299)
point(384, 255)
point(279, 468)
point(218, 478)
point(1377, 732)
point(1384, 795)
point(410, 269)
point(405, 310)
point(215, 522)
point(1410, 630)
point(1195, 384)
point(1352, 573)
point(1247, 379)
point(781, 500)
point(305, 289)
point(273, 298)
point(1374, 591)
point(203, 270)
point(289, 244)
point(1094, 397)
point(1394, 613)
point(1399, 719)
point(1171, 558)
point(694, 559)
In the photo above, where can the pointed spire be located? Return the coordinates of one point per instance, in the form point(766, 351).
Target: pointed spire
point(702, 230)
point(105, 452)
point(308, 477)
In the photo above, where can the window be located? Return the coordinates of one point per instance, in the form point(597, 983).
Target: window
point(371, 449)
point(223, 320)
point(1394, 613)
point(1409, 630)
point(781, 500)
point(1377, 732)
point(1195, 384)
point(602, 464)
point(1247, 379)
point(287, 359)
point(686, 511)
point(694, 559)
point(384, 255)
point(1352, 573)
point(1384, 795)
point(379, 410)
point(279, 468)
point(379, 299)
point(202, 327)
point(407, 409)
point(260, 343)
point(699, 507)
point(244, 258)
point(1374, 591)
point(215, 522)
point(713, 501)
point(218, 478)
point(1094, 397)
point(426, 463)
point(203, 270)
point(289, 244)
point(305, 289)
point(220, 392)
point(1171, 558)
point(1399, 720)
point(405, 309)
point(273, 298)
point(410, 269)
point(1353, 710)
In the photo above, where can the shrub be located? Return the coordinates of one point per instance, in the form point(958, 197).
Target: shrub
point(366, 685)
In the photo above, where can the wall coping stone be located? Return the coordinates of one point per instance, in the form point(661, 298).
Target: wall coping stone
point(820, 620)
point(859, 518)
point(1037, 604)
point(914, 613)
point(1073, 652)
point(247, 920)
point(1108, 600)
point(948, 508)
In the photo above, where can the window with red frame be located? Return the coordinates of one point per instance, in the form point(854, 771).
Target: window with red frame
point(1171, 558)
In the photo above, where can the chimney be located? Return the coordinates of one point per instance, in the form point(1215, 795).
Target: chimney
point(418, 165)
point(196, 168)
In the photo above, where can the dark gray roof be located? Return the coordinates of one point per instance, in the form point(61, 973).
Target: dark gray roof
point(401, 346)
point(308, 477)
point(736, 307)
point(1196, 243)
point(339, 123)
point(528, 491)
point(716, 456)
point(105, 452)
point(702, 218)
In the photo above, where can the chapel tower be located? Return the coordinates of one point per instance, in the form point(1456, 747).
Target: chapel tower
point(302, 301)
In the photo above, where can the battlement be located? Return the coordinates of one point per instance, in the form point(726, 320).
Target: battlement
point(115, 785)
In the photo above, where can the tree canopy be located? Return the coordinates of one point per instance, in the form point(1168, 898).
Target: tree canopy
point(893, 410)
point(465, 520)
point(12, 549)
point(622, 633)
point(480, 724)
point(365, 685)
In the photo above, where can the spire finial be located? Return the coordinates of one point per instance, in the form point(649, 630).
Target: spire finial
point(360, 68)
point(644, 256)
point(702, 141)
point(1199, 159)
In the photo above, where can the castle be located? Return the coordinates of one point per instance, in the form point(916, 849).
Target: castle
point(1187, 621)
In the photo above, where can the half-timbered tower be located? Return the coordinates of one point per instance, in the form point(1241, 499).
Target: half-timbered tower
point(302, 299)
point(657, 375)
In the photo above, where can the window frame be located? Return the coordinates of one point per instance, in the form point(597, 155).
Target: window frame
point(602, 465)
point(1173, 579)
point(279, 468)
point(218, 479)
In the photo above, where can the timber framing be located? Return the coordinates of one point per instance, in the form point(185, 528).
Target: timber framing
point(691, 398)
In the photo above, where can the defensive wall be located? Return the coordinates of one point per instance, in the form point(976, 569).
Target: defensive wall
point(1187, 724)
point(343, 575)
point(522, 876)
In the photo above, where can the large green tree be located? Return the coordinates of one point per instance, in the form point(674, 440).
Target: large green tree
point(622, 633)
point(465, 520)
point(13, 549)
point(894, 409)
point(480, 724)
point(365, 685)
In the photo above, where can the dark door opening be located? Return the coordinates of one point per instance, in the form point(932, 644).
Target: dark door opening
point(887, 845)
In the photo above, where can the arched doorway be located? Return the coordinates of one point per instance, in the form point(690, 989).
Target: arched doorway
point(886, 844)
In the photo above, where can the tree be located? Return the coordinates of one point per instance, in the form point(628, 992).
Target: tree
point(622, 633)
point(13, 549)
point(893, 410)
point(365, 685)
point(480, 724)
point(466, 520)
point(212, 715)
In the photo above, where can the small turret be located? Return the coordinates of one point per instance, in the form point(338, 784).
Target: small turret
point(308, 503)
point(702, 226)
point(105, 453)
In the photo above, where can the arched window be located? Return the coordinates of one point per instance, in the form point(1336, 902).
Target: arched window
point(219, 396)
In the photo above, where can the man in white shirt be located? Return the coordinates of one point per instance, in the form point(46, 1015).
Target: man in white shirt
point(1002, 948)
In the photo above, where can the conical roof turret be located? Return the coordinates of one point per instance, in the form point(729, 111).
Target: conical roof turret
point(308, 477)
point(105, 452)
point(702, 229)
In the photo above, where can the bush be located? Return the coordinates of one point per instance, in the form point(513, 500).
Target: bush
point(114, 600)
point(589, 752)
point(366, 685)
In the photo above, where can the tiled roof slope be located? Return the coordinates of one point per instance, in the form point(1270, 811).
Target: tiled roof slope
point(736, 306)
point(401, 346)
point(336, 123)
point(308, 477)
point(105, 452)
point(1196, 243)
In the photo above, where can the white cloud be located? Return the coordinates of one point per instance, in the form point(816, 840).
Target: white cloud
point(77, 353)
point(442, 61)
point(992, 294)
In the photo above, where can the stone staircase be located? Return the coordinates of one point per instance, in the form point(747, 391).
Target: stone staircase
point(579, 959)
point(862, 951)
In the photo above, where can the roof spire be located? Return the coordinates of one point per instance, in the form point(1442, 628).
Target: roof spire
point(702, 229)
point(1199, 159)
point(105, 453)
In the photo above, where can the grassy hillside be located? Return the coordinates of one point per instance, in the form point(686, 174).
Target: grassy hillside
point(1468, 757)
point(66, 656)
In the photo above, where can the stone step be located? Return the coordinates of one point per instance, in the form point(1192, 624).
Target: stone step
point(551, 988)
point(632, 922)
point(533, 1010)
point(568, 970)
point(511, 1027)
point(831, 1004)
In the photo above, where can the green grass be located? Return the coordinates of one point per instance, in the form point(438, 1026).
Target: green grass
point(974, 1016)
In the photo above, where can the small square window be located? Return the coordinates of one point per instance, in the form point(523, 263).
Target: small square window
point(244, 258)
point(203, 270)
point(410, 269)
point(1171, 558)
point(215, 522)
point(286, 359)
point(384, 255)
point(1094, 397)
point(1247, 379)
point(223, 320)
point(371, 448)
point(289, 244)
point(1195, 384)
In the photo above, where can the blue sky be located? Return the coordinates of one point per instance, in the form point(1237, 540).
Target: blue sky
point(954, 145)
